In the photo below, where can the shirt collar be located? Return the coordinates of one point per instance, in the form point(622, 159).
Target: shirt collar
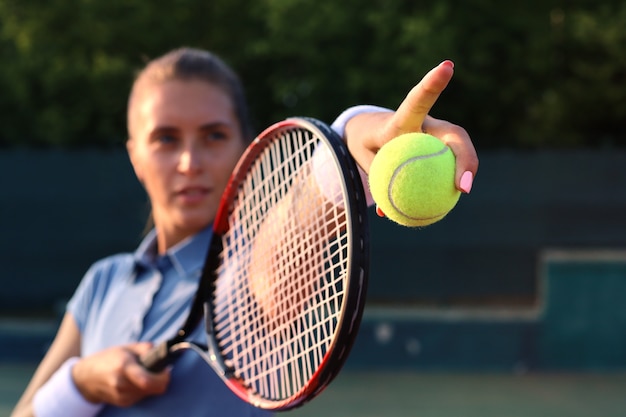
point(187, 256)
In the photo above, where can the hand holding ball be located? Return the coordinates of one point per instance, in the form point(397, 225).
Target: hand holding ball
point(412, 179)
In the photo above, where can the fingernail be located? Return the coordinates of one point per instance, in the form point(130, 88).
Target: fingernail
point(448, 63)
point(379, 212)
point(466, 182)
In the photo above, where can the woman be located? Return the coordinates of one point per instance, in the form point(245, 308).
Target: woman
point(188, 124)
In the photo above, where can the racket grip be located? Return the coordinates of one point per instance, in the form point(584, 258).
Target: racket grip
point(157, 359)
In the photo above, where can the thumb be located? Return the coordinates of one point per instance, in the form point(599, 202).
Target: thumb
point(139, 348)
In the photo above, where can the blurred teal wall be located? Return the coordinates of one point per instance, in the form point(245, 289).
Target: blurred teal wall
point(59, 212)
point(472, 291)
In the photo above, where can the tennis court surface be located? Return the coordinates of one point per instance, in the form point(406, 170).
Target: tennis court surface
point(434, 394)
point(423, 364)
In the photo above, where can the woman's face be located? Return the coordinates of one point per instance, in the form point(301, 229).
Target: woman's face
point(185, 142)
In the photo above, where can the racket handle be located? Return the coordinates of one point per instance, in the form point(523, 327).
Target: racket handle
point(158, 358)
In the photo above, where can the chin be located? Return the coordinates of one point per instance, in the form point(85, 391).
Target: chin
point(198, 223)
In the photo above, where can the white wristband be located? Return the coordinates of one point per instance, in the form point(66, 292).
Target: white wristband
point(339, 125)
point(60, 397)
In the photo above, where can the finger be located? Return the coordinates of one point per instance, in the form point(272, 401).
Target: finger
point(128, 396)
point(139, 376)
point(460, 142)
point(148, 382)
point(420, 100)
point(139, 348)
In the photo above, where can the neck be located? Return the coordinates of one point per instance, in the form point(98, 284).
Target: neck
point(168, 236)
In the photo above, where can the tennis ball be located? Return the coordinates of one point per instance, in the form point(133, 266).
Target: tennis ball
point(412, 179)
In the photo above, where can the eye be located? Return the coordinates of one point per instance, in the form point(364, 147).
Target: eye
point(215, 135)
point(166, 138)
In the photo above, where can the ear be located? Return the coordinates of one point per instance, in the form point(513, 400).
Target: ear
point(134, 160)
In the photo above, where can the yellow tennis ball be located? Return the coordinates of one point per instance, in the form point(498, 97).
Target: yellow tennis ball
point(412, 179)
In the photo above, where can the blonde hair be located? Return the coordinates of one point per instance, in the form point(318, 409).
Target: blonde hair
point(193, 64)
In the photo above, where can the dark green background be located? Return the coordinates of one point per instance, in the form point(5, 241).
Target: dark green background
point(532, 73)
point(540, 86)
point(62, 210)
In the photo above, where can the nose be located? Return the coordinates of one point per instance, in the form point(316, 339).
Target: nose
point(189, 161)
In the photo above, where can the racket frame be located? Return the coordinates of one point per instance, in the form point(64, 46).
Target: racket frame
point(340, 347)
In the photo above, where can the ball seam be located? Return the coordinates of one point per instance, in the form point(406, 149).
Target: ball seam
point(395, 173)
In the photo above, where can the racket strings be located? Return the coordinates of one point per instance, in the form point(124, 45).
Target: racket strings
point(278, 301)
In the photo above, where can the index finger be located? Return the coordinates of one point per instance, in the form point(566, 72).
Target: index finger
point(413, 110)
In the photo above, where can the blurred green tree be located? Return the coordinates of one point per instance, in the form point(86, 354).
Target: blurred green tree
point(528, 74)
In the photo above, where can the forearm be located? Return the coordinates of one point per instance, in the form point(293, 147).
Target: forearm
point(65, 345)
point(23, 410)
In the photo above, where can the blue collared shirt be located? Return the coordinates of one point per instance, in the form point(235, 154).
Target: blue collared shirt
point(143, 296)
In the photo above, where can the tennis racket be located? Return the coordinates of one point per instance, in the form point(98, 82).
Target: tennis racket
point(284, 282)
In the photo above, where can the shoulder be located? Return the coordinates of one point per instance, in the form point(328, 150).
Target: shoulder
point(99, 279)
point(112, 266)
point(105, 276)
point(108, 271)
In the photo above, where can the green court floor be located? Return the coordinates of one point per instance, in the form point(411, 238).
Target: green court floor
point(471, 395)
point(434, 394)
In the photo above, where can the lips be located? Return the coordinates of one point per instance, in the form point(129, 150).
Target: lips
point(193, 194)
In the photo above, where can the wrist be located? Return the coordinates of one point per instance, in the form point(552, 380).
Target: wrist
point(59, 396)
point(339, 125)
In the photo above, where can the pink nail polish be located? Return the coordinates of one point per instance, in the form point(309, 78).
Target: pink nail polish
point(448, 63)
point(466, 182)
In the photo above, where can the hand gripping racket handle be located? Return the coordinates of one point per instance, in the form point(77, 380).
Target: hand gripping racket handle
point(158, 358)
point(165, 353)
